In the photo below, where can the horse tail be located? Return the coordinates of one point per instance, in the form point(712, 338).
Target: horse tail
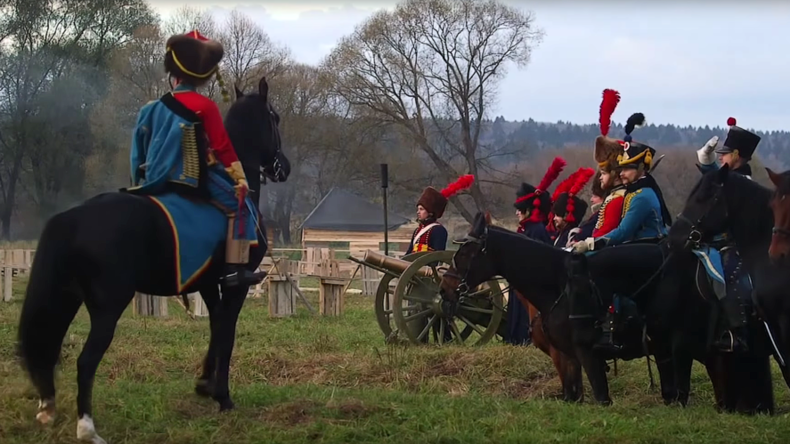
point(49, 306)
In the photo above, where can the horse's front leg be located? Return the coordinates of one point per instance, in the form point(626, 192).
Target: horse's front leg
point(595, 367)
point(230, 307)
point(204, 386)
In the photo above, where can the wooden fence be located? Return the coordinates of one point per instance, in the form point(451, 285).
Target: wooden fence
point(311, 262)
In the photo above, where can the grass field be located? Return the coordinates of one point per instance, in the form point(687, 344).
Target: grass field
point(332, 380)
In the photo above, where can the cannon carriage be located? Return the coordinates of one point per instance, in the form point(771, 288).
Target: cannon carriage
point(408, 303)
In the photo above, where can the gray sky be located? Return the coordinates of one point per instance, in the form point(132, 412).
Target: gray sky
point(692, 64)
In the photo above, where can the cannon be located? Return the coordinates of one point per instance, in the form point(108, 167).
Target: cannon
point(408, 303)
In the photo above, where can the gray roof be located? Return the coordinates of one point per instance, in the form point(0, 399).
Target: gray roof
point(341, 210)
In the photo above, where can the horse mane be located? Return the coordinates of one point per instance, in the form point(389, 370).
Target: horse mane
point(784, 188)
point(544, 250)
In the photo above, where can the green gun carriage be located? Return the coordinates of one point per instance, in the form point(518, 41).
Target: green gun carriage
point(412, 284)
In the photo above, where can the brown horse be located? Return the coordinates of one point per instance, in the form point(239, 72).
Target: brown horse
point(779, 250)
point(568, 367)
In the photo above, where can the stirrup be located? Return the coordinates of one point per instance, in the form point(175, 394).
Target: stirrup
point(243, 277)
point(721, 345)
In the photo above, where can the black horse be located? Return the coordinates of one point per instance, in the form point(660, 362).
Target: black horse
point(725, 201)
point(543, 274)
point(674, 295)
point(114, 244)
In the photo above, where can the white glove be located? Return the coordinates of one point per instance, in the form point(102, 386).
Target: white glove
point(705, 155)
point(584, 246)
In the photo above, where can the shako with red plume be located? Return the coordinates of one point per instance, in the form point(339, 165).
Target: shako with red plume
point(606, 148)
point(567, 204)
point(536, 200)
point(435, 201)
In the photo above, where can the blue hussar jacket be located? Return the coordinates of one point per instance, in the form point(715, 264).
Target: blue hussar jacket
point(642, 218)
point(168, 149)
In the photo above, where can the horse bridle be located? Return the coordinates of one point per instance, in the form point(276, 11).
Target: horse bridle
point(463, 287)
point(276, 165)
point(785, 232)
point(695, 234)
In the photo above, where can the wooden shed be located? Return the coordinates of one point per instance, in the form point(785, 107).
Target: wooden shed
point(346, 218)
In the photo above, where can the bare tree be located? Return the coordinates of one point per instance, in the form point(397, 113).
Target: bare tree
point(250, 52)
point(431, 68)
point(188, 18)
point(50, 77)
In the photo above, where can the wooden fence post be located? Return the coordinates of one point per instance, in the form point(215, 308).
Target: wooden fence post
point(282, 300)
point(331, 294)
point(200, 310)
point(149, 305)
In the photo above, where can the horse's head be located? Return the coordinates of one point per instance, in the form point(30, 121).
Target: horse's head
point(254, 127)
point(471, 265)
point(705, 213)
point(779, 250)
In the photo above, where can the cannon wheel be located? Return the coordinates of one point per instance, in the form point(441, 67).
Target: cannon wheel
point(424, 317)
point(383, 292)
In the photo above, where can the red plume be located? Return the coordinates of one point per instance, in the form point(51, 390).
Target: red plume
point(731, 121)
point(564, 186)
point(461, 184)
point(583, 175)
point(610, 100)
point(551, 174)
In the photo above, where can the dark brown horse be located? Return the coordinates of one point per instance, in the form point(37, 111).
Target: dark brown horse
point(568, 367)
point(779, 249)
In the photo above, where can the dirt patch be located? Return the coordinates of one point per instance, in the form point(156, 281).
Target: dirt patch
point(189, 408)
point(541, 387)
point(353, 409)
point(291, 413)
point(449, 365)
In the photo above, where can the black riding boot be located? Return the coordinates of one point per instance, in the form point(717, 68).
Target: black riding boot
point(735, 339)
point(607, 342)
point(238, 275)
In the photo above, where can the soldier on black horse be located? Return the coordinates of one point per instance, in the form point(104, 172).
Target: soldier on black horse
point(737, 151)
point(645, 217)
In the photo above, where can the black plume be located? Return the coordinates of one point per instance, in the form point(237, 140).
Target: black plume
point(636, 119)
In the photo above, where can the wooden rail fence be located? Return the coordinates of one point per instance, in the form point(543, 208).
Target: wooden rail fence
point(283, 281)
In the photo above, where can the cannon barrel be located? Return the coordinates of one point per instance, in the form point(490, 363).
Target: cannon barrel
point(392, 263)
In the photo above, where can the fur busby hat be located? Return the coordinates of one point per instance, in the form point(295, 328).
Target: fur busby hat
point(740, 140)
point(567, 204)
point(536, 199)
point(435, 201)
point(606, 148)
point(193, 56)
point(636, 153)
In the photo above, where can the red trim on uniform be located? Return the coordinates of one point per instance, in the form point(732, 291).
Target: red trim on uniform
point(612, 214)
point(423, 240)
point(212, 122)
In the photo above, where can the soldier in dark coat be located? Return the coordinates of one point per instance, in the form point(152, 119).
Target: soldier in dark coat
point(568, 209)
point(736, 151)
point(430, 235)
point(533, 205)
point(586, 228)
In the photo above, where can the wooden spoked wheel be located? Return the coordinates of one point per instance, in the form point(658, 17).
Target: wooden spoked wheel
point(422, 316)
point(384, 299)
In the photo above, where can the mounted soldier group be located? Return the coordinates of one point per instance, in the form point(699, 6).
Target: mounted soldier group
point(190, 222)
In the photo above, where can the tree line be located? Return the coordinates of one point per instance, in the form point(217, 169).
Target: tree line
point(411, 87)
